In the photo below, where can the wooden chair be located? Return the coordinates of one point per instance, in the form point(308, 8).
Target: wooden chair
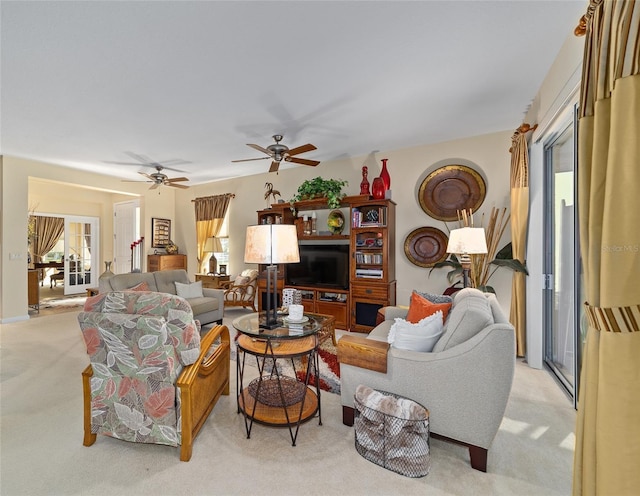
point(150, 372)
point(241, 292)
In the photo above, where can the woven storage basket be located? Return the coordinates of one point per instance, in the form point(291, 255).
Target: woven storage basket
point(397, 444)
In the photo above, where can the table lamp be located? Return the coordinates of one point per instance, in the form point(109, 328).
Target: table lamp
point(464, 242)
point(271, 244)
point(212, 245)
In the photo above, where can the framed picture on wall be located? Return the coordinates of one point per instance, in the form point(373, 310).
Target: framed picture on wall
point(161, 231)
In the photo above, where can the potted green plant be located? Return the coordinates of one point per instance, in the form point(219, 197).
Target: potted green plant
point(504, 258)
point(484, 266)
point(331, 189)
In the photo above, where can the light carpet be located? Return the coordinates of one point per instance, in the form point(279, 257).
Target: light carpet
point(41, 450)
point(68, 302)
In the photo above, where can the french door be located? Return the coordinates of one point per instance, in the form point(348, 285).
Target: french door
point(562, 267)
point(81, 257)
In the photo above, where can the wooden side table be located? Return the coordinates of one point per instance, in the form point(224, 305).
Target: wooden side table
point(212, 281)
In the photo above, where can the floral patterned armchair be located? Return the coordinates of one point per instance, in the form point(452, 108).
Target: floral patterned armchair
point(241, 292)
point(151, 379)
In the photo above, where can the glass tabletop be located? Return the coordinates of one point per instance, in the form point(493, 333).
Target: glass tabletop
point(250, 325)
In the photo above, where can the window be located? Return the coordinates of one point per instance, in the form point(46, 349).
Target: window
point(223, 235)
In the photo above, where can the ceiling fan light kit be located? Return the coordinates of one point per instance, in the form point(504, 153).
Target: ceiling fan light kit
point(278, 152)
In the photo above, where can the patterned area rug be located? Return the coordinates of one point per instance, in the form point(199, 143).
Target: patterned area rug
point(329, 367)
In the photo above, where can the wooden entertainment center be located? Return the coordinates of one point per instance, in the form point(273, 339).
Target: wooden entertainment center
point(370, 236)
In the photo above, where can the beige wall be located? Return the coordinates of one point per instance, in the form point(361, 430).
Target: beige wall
point(488, 154)
point(60, 190)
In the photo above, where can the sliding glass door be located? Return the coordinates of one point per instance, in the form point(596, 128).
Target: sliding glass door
point(562, 297)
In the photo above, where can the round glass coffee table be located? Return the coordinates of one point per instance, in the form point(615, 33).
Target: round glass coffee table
point(275, 398)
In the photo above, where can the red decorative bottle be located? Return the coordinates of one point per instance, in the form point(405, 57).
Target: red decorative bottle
point(384, 174)
point(364, 185)
point(377, 188)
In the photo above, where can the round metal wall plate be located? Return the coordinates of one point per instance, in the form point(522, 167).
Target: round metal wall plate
point(426, 246)
point(449, 189)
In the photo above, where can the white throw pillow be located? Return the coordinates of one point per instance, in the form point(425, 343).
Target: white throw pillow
point(421, 336)
point(193, 290)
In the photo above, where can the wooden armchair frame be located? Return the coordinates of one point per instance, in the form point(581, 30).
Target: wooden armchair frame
point(235, 295)
point(200, 383)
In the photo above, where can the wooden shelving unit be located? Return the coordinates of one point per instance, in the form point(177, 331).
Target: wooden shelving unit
point(372, 271)
point(372, 262)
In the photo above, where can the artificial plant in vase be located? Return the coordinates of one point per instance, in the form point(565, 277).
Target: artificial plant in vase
point(483, 266)
point(331, 189)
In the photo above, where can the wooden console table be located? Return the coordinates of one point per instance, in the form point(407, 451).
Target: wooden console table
point(33, 299)
point(212, 281)
point(166, 262)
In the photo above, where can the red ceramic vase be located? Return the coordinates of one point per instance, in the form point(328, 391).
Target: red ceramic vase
point(377, 188)
point(384, 174)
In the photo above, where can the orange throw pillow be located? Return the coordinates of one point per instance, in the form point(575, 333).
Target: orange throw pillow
point(420, 307)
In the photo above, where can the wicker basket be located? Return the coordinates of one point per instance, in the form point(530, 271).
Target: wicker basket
point(397, 444)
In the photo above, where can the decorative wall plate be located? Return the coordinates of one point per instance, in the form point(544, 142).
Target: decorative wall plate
point(449, 189)
point(426, 246)
point(335, 222)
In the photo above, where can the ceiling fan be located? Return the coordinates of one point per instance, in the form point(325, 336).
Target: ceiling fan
point(279, 152)
point(157, 178)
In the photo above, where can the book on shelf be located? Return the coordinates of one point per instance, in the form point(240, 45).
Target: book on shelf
point(368, 258)
point(369, 217)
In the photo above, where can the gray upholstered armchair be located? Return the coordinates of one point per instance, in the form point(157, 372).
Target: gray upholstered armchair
point(464, 382)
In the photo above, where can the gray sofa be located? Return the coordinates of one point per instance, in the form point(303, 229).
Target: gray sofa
point(208, 308)
point(464, 382)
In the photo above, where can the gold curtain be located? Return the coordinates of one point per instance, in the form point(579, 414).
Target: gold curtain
point(210, 212)
point(47, 232)
point(607, 455)
point(519, 224)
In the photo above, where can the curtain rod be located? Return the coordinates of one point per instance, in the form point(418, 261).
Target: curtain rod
point(232, 195)
point(523, 129)
point(581, 28)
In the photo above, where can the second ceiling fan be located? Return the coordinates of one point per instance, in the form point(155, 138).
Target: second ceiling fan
point(279, 152)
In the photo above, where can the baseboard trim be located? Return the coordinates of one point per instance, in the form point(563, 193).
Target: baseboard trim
point(18, 318)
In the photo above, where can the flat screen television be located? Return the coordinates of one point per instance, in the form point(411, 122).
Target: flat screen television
point(324, 265)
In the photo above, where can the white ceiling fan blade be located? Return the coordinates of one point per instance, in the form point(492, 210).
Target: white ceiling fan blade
point(176, 185)
point(155, 186)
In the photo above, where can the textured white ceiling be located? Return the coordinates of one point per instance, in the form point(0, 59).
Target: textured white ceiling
point(85, 82)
